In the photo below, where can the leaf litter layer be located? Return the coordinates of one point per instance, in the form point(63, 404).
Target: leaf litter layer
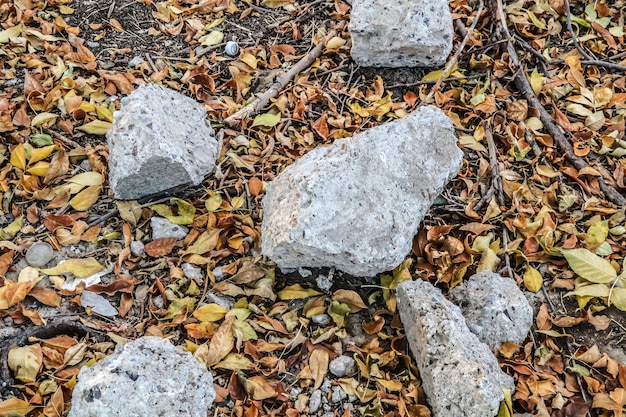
point(538, 199)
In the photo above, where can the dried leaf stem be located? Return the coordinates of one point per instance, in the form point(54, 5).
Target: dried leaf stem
point(281, 81)
point(549, 123)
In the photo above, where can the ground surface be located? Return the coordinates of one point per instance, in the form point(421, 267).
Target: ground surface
point(521, 202)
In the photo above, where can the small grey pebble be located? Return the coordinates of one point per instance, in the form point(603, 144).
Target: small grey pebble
point(136, 248)
point(338, 394)
point(192, 272)
point(342, 365)
point(92, 44)
point(39, 254)
point(315, 401)
point(321, 319)
point(135, 61)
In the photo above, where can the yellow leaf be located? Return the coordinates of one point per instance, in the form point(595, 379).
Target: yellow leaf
point(104, 114)
point(210, 312)
point(351, 298)
point(249, 59)
point(214, 201)
point(296, 291)
point(42, 118)
point(589, 265)
point(25, 362)
point(86, 198)
point(259, 388)
point(96, 127)
point(318, 362)
point(7, 34)
point(81, 268)
point(18, 157)
point(212, 38)
point(207, 241)
point(38, 154)
point(266, 120)
point(87, 178)
point(220, 345)
point(235, 362)
point(15, 407)
point(40, 169)
point(65, 9)
point(532, 279)
point(336, 42)
point(391, 384)
point(596, 235)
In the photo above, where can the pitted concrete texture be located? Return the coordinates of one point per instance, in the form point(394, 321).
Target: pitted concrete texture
point(356, 205)
point(160, 139)
point(401, 33)
point(144, 378)
point(494, 308)
point(460, 375)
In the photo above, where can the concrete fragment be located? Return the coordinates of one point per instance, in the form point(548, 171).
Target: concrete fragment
point(163, 228)
point(460, 375)
point(39, 254)
point(357, 203)
point(400, 33)
point(144, 378)
point(315, 401)
point(97, 303)
point(495, 309)
point(137, 248)
point(159, 139)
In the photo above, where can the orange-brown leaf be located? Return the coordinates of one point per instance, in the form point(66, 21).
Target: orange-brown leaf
point(160, 247)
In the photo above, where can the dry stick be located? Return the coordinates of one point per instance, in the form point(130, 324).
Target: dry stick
point(455, 57)
point(493, 159)
point(568, 17)
point(548, 121)
point(261, 101)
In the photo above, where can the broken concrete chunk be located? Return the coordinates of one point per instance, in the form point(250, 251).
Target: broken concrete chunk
point(460, 375)
point(144, 378)
point(495, 309)
point(163, 228)
point(160, 139)
point(401, 33)
point(357, 204)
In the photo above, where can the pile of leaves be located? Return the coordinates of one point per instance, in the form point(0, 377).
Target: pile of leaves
point(521, 204)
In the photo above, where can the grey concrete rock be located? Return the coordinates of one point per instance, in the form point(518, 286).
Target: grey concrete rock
point(342, 365)
point(338, 394)
point(39, 254)
point(321, 319)
point(159, 139)
point(137, 248)
point(357, 203)
point(400, 33)
point(495, 309)
point(144, 378)
point(460, 375)
point(163, 228)
point(315, 401)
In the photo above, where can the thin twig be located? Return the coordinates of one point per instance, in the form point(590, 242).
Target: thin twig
point(455, 57)
point(548, 121)
point(493, 160)
point(430, 82)
point(261, 101)
point(568, 17)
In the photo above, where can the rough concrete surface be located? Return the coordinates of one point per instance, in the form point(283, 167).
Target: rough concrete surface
point(148, 377)
point(460, 375)
point(495, 309)
point(159, 139)
point(357, 203)
point(400, 33)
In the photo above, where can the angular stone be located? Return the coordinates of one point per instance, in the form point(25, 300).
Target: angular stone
point(144, 378)
point(357, 203)
point(163, 228)
point(494, 308)
point(160, 139)
point(460, 375)
point(400, 33)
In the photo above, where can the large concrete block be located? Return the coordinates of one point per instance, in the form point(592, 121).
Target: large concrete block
point(159, 139)
point(400, 33)
point(357, 203)
point(144, 378)
point(460, 375)
point(494, 308)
